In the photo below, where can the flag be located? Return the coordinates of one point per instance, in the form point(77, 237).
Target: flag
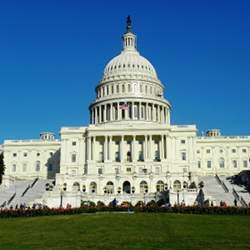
point(123, 106)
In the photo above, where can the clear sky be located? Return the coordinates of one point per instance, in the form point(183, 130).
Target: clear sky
point(52, 55)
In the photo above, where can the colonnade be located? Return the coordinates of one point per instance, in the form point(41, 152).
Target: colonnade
point(152, 148)
point(116, 111)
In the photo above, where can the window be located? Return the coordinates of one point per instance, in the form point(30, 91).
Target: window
point(244, 150)
point(117, 156)
point(38, 154)
point(199, 164)
point(183, 156)
point(198, 151)
point(14, 155)
point(25, 154)
point(245, 164)
point(51, 153)
point(38, 166)
point(209, 164)
point(100, 171)
point(233, 150)
point(73, 158)
point(117, 171)
point(208, 151)
point(74, 143)
point(160, 186)
point(183, 141)
point(128, 170)
point(222, 163)
point(234, 163)
point(117, 88)
point(221, 150)
point(14, 168)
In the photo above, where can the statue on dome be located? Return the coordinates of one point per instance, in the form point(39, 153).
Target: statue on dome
point(129, 24)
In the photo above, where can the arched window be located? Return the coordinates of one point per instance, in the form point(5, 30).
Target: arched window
point(123, 88)
point(177, 185)
point(160, 186)
point(143, 187)
point(76, 186)
point(110, 187)
point(84, 188)
point(93, 187)
point(222, 163)
point(38, 166)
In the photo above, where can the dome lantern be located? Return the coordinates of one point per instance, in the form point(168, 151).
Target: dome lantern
point(129, 38)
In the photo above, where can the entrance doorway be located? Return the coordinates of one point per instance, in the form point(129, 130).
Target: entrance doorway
point(126, 187)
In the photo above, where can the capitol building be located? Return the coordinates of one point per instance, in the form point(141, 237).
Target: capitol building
point(130, 151)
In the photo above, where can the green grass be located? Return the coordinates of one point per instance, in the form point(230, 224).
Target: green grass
point(126, 231)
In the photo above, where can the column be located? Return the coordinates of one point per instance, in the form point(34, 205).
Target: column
point(126, 110)
point(146, 113)
point(111, 111)
point(132, 110)
point(96, 115)
point(121, 148)
point(105, 148)
point(146, 148)
point(118, 111)
point(150, 147)
point(89, 147)
point(104, 112)
point(161, 148)
point(133, 148)
point(139, 111)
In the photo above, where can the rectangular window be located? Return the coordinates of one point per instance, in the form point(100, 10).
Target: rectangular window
point(183, 141)
point(208, 151)
point(199, 164)
point(234, 163)
point(117, 171)
point(209, 164)
point(73, 158)
point(129, 170)
point(244, 150)
point(245, 164)
point(100, 171)
point(183, 156)
point(25, 154)
point(74, 143)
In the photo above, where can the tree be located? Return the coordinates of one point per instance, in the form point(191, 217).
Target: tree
point(1, 167)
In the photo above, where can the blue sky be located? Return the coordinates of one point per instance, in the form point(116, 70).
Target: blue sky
point(52, 55)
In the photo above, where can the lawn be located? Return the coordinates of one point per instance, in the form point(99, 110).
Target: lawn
point(126, 231)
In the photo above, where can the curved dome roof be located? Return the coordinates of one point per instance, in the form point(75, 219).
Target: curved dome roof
point(129, 63)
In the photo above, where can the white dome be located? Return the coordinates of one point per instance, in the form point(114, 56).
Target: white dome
point(129, 63)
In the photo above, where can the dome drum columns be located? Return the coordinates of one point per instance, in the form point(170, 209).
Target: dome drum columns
point(129, 111)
